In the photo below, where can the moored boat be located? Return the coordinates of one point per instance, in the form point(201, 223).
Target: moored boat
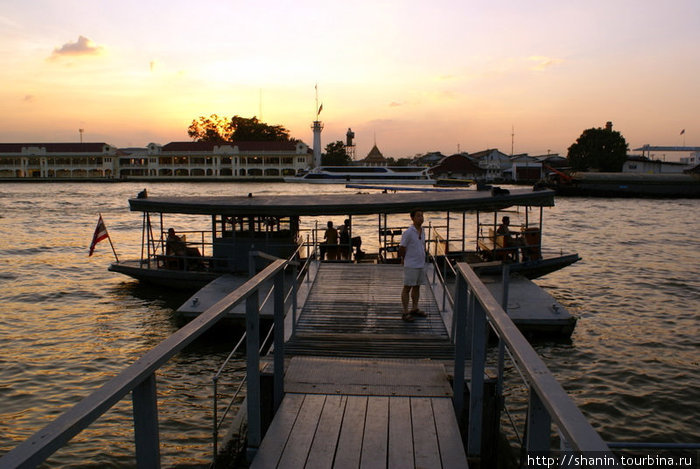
point(629, 185)
point(364, 174)
point(272, 224)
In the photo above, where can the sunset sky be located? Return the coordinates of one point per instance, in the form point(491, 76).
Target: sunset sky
point(416, 76)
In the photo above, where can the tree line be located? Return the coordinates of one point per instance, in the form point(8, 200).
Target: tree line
point(601, 149)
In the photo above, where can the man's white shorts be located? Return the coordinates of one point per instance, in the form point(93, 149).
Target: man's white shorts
point(413, 276)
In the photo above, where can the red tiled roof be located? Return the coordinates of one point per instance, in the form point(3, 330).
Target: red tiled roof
point(189, 146)
point(242, 146)
point(67, 147)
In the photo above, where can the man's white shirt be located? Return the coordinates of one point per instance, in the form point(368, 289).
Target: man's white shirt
point(414, 242)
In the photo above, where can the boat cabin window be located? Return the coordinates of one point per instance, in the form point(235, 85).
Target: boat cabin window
point(256, 226)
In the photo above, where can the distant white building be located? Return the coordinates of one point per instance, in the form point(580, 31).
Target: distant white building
point(692, 160)
point(57, 160)
point(494, 163)
point(524, 168)
point(245, 160)
point(642, 164)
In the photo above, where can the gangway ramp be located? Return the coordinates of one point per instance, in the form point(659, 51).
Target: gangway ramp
point(354, 310)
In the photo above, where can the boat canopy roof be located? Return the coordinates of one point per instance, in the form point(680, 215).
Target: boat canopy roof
point(343, 204)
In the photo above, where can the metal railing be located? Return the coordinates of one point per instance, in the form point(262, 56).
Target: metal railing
point(475, 310)
point(297, 275)
point(140, 379)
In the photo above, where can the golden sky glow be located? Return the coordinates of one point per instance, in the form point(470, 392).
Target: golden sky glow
point(420, 76)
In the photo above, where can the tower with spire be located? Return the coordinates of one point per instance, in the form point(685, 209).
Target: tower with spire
point(317, 128)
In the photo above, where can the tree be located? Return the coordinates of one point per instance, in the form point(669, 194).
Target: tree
point(598, 148)
point(237, 129)
point(210, 129)
point(335, 155)
point(252, 130)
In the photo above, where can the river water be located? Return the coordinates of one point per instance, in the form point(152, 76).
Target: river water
point(67, 324)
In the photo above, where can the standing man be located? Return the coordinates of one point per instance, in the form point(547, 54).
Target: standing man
point(412, 253)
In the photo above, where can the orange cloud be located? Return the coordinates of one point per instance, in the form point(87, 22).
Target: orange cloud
point(83, 46)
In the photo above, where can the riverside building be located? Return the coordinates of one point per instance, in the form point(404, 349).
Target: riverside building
point(175, 160)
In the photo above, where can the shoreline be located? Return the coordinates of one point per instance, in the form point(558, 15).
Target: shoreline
point(142, 179)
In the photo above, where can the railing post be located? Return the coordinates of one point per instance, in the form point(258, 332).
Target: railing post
point(444, 281)
point(278, 382)
point(215, 430)
point(459, 318)
point(476, 396)
point(145, 405)
point(295, 291)
point(501, 343)
point(538, 429)
point(253, 371)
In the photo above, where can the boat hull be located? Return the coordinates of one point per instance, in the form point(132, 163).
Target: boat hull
point(631, 185)
point(528, 269)
point(180, 279)
point(359, 180)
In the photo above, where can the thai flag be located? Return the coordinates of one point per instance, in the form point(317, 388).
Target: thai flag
point(100, 234)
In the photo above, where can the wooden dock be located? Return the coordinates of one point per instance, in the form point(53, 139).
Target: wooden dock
point(362, 387)
point(354, 310)
point(350, 413)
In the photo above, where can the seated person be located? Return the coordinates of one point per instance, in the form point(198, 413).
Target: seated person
point(174, 245)
point(331, 242)
point(510, 241)
point(345, 248)
point(347, 244)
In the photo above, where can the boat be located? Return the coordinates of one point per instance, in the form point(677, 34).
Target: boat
point(364, 174)
point(453, 182)
point(272, 224)
point(598, 184)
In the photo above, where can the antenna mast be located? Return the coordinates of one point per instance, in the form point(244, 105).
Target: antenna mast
point(512, 139)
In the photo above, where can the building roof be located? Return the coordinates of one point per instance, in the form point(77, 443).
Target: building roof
point(374, 156)
point(431, 158)
point(66, 147)
point(342, 204)
point(480, 154)
point(644, 159)
point(242, 146)
point(458, 163)
point(666, 148)
point(524, 157)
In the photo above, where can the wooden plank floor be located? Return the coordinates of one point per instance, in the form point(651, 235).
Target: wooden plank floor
point(354, 310)
point(402, 419)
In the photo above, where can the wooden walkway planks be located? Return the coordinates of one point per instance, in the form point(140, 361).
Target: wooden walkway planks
point(403, 418)
point(318, 375)
point(354, 310)
point(361, 432)
point(364, 389)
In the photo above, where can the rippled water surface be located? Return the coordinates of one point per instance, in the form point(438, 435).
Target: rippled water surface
point(67, 324)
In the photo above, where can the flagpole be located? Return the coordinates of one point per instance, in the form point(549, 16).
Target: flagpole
point(113, 251)
point(109, 238)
